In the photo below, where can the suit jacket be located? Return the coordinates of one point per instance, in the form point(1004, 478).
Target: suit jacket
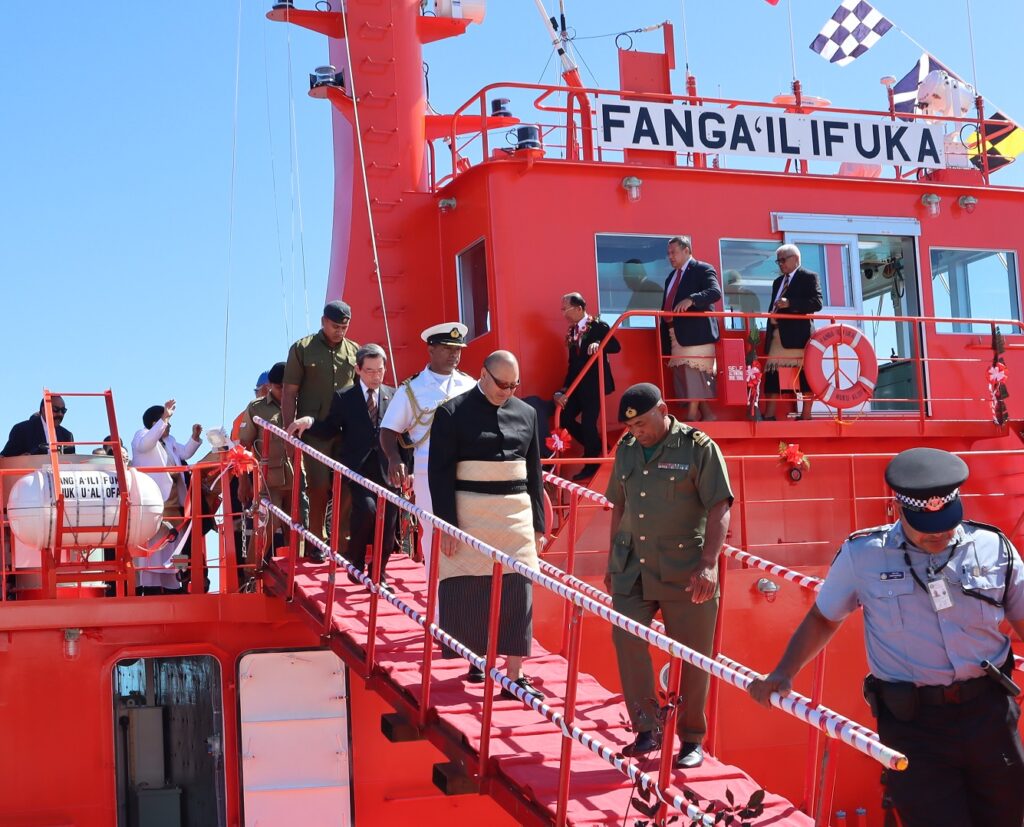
point(804, 294)
point(29, 437)
point(700, 284)
point(360, 438)
point(578, 357)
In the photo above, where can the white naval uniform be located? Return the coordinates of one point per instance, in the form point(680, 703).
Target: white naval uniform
point(431, 390)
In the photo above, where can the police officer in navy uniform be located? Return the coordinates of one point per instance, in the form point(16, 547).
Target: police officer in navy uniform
point(935, 589)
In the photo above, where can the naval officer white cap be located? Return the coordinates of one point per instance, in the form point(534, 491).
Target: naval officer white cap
point(446, 333)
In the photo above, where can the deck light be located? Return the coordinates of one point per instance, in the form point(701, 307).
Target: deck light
point(968, 203)
point(631, 184)
point(932, 203)
point(446, 205)
point(500, 108)
point(71, 638)
point(528, 136)
point(768, 588)
point(326, 76)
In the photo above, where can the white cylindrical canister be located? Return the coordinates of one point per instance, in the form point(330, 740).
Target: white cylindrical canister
point(92, 504)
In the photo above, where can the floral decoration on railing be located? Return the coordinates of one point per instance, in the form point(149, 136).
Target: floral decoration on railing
point(558, 442)
point(795, 459)
point(239, 460)
point(753, 388)
point(997, 375)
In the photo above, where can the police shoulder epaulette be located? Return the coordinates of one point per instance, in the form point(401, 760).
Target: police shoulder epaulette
point(462, 372)
point(626, 439)
point(407, 381)
point(864, 532)
point(986, 526)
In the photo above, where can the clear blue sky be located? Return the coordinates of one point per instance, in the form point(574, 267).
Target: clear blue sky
point(117, 158)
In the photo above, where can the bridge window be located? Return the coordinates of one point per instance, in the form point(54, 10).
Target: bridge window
point(975, 284)
point(474, 295)
point(631, 272)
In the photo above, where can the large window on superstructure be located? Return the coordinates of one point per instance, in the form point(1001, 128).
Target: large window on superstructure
point(474, 295)
point(631, 272)
point(975, 284)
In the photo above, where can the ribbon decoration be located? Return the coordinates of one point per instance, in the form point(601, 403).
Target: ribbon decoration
point(791, 454)
point(997, 376)
point(239, 460)
point(753, 386)
point(558, 442)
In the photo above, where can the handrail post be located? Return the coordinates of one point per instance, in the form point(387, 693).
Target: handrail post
point(3, 551)
point(570, 566)
point(492, 655)
point(814, 738)
point(668, 736)
point(332, 559)
point(922, 407)
point(378, 546)
point(296, 517)
point(197, 559)
point(830, 769)
point(428, 622)
point(716, 647)
point(229, 556)
point(571, 683)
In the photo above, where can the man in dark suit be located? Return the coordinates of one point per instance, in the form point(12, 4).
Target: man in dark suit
point(692, 287)
point(582, 408)
point(355, 415)
point(29, 436)
point(795, 292)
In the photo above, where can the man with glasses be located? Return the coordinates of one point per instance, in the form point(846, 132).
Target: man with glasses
point(935, 589)
point(797, 293)
point(355, 418)
point(30, 437)
point(485, 478)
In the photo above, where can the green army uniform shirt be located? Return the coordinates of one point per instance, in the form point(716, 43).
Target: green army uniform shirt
point(279, 466)
point(319, 370)
point(665, 502)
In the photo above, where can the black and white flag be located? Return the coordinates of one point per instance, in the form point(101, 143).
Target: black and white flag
point(854, 28)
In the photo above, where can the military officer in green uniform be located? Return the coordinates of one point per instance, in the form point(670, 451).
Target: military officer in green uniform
point(317, 366)
point(277, 466)
point(671, 498)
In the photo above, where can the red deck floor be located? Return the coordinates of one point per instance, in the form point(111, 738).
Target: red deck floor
point(524, 746)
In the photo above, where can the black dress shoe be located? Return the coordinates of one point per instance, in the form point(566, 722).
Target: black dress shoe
point(525, 684)
point(475, 675)
point(645, 742)
point(353, 579)
point(691, 755)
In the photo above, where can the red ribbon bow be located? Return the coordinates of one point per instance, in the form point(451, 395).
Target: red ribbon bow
point(239, 460)
point(791, 454)
point(558, 441)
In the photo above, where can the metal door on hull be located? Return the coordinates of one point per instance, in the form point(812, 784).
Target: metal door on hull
point(870, 276)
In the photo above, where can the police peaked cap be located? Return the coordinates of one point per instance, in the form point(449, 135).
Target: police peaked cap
point(926, 482)
point(338, 311)
point(638, 400)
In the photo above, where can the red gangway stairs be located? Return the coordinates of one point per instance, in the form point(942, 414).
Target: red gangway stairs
point(551, 761)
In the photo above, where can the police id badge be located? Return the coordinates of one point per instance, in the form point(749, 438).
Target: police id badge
point(938, 592)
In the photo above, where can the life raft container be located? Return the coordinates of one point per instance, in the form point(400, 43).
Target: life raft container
point(829, 339)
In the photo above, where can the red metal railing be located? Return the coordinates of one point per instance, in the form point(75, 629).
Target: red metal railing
point(580, 100)
point(923, 402)
point(578, 601)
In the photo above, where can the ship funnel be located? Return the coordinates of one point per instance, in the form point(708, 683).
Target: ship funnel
point(528, 137)
point(500, 108)
point(326, 76)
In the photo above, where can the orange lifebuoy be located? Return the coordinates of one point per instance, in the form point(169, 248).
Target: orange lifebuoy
point(829, 339)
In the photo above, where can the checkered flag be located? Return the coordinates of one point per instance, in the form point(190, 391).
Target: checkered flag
point(854, 28)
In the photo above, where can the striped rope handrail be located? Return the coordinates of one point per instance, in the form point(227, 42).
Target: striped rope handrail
point(595, 745)
point(575, 488)
point(748, 560)
point(820, 717)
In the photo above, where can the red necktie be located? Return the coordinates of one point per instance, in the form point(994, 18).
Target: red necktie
point(672, 287)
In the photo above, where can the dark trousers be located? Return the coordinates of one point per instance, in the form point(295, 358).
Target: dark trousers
point(693, 625)
point(966, 763)
point(580, 415)
point(364, 521)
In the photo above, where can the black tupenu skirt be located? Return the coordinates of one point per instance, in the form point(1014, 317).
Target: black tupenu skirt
point(464, 611)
